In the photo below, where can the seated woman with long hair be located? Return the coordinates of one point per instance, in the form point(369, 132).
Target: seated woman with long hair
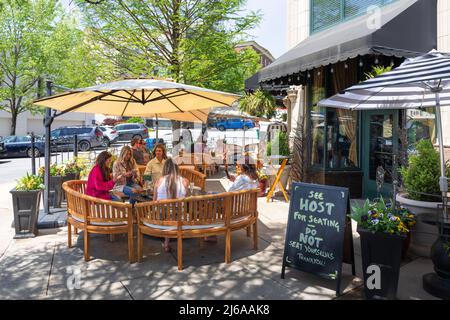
point(100, 181)
point(170, 186)
point(126, 174)
point(156, 165)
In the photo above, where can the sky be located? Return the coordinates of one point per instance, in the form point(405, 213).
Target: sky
point(271, 33)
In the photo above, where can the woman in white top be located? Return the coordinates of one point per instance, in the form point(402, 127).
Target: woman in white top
point(248, 179)
point(170, 186)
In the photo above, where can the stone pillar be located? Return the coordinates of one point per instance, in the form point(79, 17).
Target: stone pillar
point(294, 103)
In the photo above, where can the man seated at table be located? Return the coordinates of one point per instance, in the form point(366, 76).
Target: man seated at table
point(155, 166)
point(138, 154)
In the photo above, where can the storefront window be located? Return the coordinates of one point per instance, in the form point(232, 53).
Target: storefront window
point(334, 132)
point(342, 139)
point(326, 13)
point(420, 125)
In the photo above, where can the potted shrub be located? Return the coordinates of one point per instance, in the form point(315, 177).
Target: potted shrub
point(278, 149)
point(55, 184)
point(73, 168)
point(383, 231)
point(422, 195)
point(26, 199)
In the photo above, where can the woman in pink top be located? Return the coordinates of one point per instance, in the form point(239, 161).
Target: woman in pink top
point(100, 181)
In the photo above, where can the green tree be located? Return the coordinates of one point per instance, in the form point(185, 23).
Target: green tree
point(376, 71)
point(260, 104)
point(37, 39)
point(190, 41)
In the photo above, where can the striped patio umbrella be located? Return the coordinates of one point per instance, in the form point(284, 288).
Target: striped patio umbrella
point(419, 82)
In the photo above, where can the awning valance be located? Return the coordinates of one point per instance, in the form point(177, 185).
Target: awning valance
point(408, 29)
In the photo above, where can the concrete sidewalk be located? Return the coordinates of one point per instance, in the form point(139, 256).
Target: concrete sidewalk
point(44, 268)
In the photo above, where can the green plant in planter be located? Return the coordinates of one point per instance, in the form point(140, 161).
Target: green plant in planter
point(279, 145)
point(379, 217)
point(262, 175)
point(55, 170)
point(76, 165)
point(423, 172)
point(30, 182)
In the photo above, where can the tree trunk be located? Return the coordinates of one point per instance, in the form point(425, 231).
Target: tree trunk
point(13, 123)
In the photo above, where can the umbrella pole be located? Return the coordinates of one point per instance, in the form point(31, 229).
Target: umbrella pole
point(443, 183)
point(156, 130)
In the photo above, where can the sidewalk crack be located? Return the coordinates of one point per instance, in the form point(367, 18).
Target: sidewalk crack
point(126, 288)
point(51, 267)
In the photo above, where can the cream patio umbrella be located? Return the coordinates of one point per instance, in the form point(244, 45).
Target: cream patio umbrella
point(141, 97)
point(132, 97)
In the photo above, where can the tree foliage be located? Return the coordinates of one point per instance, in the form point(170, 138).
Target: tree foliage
point(376, 71)
point(38, 40)
point(191, 41)
point(260, 104)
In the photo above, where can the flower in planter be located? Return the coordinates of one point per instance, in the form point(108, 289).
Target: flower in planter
point(30, 182)
point(55, 170)
point(76, 165)
point(379, 217)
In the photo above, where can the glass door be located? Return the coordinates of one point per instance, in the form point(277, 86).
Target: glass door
point(380, 143)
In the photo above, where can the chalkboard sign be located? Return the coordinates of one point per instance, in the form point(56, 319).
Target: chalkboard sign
point(315, 230)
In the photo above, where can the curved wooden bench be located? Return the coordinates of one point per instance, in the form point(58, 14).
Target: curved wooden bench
point(199, 216)
point(94, 215)
point(198, 178)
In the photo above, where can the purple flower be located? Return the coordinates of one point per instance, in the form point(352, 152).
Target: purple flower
point(364, 218)
point(381, 215)
point(375, 221)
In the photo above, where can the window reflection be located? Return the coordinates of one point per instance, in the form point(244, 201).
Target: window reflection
point(420, 125)
point(341, 139)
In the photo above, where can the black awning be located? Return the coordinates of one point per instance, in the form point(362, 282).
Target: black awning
point(408, 28)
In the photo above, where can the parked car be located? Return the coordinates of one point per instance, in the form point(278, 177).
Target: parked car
point(88, 137)
point(150, 143)
point(13, 146)
point(237, 123)
point(128, 131)
point(110, 135)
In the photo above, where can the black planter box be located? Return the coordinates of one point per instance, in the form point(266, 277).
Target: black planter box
point(55, 191)
point(385, 251)
point(26, 212)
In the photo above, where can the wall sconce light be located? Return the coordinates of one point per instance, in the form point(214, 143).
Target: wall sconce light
point(376, 61)
point(309, 75)
point(346, 66)
point(332, 70)
point(361, 64)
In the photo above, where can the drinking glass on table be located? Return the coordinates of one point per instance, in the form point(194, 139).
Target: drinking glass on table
point(191, 188)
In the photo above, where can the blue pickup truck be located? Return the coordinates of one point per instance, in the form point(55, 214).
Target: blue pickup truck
point(242, 124)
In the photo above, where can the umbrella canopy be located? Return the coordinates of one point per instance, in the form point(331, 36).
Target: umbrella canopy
point(412, 85)
point(423, 81)
point(141, 97)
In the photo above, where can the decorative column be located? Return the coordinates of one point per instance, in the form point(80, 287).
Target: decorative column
point(295, 102)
